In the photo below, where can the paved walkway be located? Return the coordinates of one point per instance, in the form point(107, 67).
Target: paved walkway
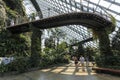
point(66, 72)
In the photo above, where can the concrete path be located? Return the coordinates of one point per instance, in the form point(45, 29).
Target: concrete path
point(66, 72)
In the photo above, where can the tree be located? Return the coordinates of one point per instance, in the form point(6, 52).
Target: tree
point(49, 42)
point(80, 50)
point(57, 34)
point(90, 53)
point(116, 41)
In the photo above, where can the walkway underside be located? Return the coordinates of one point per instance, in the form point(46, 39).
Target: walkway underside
point(89, 20)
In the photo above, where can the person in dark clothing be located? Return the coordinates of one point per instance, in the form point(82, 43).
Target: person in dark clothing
point(75, 61)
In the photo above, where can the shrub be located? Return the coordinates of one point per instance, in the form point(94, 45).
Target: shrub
point(3, 68)
point(20, 64)
point(104, 61)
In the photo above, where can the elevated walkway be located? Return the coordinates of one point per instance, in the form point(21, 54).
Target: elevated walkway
point(89, 20)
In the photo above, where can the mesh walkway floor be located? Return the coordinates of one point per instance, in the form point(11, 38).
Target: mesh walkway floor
point(66, 72)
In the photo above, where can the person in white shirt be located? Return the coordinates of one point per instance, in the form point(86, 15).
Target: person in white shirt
point(12, 22)
point(82, 60)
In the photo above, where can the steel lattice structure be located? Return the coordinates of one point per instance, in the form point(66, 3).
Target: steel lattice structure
point(56, 7)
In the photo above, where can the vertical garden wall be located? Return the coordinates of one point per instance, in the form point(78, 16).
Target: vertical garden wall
point(12, 44)
point(36, 39)
point(2, 14)
point(104, 47)
point(36, 47)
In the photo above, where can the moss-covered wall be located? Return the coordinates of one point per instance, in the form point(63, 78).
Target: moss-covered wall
point(2, 14)
point(12, 44)
point(15, 5)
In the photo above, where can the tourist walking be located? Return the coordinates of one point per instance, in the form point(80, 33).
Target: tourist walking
point(82, 60)
point(75, 61)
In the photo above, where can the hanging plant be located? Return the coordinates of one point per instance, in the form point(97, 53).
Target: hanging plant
point(11, 13)
point(108, 29)
point(16, 5)
point(111, 28)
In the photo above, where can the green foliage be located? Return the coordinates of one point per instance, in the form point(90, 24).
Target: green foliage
point(16, 45)
point(15, 11)
point(16, 5)
point(20, 64)
point(114, 61)
point(32, 16)
point(107, 61)
point(11, 13)
point(80, 50)
point(49, 42)
point(116, 41)
point(90, 52)
point(55, 56)
point(111, 28)
point(2, 14)
point(94, 33)
point(104, 44)
point(55, 51)
point(35, 46)
point(62, 47)
point(116, 52)
point(10, 44)
point(3, 68)
point(56, 35)
point(71, 50)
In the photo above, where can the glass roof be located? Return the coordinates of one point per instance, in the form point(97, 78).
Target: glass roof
point(56, 7)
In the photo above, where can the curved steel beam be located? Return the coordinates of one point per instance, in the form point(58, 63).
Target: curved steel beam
point(36, 5)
